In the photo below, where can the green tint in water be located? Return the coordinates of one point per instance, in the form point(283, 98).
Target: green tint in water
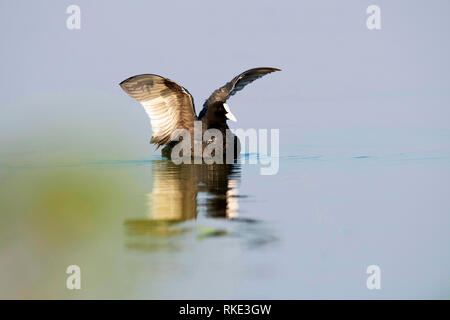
point(99, 215)
point(150, 229)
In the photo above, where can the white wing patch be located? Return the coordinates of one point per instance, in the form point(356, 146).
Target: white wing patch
point(168, 105)
point(161, 116)
point(229, 115)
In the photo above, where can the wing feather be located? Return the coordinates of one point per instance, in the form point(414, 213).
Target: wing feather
point(168, 105)
point(238, 83)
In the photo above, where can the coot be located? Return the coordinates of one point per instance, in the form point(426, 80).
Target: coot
point(171, 107)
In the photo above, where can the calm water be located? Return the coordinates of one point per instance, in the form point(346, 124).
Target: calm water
point(364, 173)
point(152, 229)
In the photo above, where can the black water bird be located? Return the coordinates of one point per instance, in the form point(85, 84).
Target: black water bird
point(171, 107)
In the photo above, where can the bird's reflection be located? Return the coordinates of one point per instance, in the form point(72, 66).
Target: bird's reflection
point(176, 189)
point(180, 193)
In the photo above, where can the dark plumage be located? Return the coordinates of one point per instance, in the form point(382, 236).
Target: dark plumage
point(171, 107)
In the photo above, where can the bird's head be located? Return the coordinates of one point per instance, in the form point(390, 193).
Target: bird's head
point(220, 112)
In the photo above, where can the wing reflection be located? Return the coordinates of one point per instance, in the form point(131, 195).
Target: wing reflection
point(174, 193)
point(180, 192)
point(176, 190)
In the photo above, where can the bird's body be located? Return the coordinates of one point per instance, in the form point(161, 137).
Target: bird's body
point(171, 107)
point(231, 144)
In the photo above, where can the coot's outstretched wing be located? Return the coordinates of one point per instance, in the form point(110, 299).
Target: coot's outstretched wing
point(235, 85)
point(169, 105)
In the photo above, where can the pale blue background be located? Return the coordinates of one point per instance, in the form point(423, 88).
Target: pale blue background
point(363, 118)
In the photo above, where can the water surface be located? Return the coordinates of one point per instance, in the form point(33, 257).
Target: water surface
point(151, 229)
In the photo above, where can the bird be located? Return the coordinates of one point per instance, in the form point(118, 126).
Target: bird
point(170, 107)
